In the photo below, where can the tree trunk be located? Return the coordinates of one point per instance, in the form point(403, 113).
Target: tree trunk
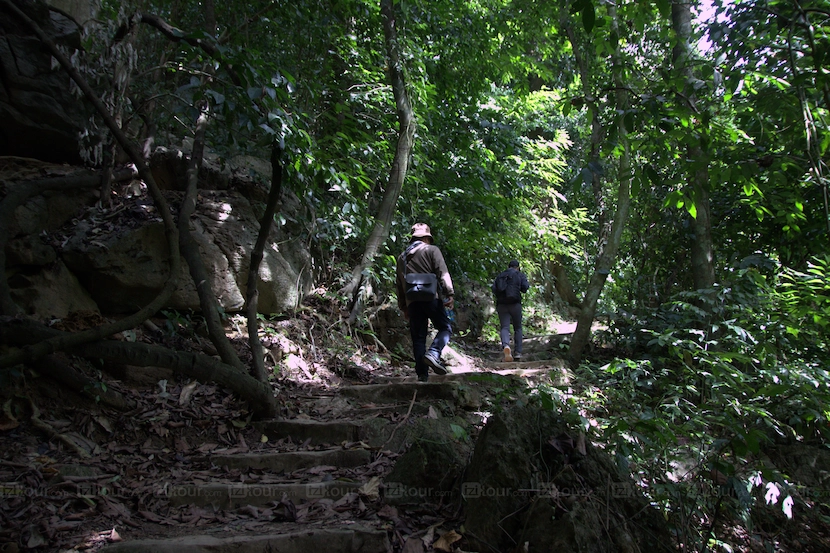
point(561, 282)
point(702, 248)
point(608, 254)
point(202, 279)
point(19, 332)
point(594, 166)
point(397, 174)
point(256, 260)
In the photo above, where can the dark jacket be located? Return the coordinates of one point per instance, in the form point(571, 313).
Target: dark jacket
point(422, 258)
point(521, 282)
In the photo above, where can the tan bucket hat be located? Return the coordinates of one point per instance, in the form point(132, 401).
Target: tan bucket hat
point(419, 230)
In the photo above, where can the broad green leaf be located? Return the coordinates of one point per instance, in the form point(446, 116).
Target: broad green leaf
point(588, 17)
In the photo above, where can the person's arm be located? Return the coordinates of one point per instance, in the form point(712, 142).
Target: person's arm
point(443, 275)
point(399, 286)
point(525, 286)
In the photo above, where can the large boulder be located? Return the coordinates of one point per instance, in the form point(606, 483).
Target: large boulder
point(115, 258)
point(436, 451)
point(532, 485)
point(126, 265)
point(41, 282)
point(41, 117)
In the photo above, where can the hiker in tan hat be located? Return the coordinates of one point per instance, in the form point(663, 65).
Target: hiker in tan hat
point(422, 280)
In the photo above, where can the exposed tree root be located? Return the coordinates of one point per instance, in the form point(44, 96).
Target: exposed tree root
point(45, 427)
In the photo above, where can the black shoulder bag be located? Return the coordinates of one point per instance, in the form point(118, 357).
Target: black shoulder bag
point(419, 286)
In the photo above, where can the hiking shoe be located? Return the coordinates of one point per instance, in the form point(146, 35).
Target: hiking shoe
point(423, 377)
point(433, 361)
point(507, 357)
point(517, 356)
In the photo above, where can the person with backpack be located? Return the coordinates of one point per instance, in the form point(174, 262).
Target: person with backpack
point(421, 271)
point(508, 288)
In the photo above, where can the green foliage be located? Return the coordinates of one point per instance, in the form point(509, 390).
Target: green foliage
point(177, 323)
point(96, 388)
point(717, 376)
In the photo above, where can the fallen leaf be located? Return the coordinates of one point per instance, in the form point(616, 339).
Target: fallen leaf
point(152, 517)
point(36, 539)
point(371, 489)
point(187, 392)
point(445, 542)
point(7, 419)
point(105, 423)
point(429, 537)
point(413, 545)
point(432, 414)
point(6, 424)
point(346, 500)
point(388, 511)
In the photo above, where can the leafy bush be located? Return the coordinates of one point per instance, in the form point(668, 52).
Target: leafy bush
point(718, 375)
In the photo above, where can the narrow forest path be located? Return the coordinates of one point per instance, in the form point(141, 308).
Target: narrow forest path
point(323, 477)
point(187, 470)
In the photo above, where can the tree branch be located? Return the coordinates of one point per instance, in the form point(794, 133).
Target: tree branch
point(177, 35)
point(198, 366)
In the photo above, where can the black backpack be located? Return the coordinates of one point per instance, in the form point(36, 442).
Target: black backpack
point(507, 286)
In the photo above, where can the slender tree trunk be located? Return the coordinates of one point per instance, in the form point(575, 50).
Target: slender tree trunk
point(202, 279)
point(702, 248)
point(607, 257)
point(561, 282)
point(256, 260)
point(594, 166)
point(397, 174)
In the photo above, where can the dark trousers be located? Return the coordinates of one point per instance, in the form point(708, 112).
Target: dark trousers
point(420, 314)
point(510, 313)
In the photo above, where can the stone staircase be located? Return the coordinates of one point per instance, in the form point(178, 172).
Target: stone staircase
point(321, 484)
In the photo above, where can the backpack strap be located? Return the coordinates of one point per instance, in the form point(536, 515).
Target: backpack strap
point(407, 255)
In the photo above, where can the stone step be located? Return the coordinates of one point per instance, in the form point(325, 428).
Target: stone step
point(311, 431)
point(552, 365)
point(374, 432)
point(234, 496)
point(555, 369)
point(290, 461)
point(404, 391)
point(366, 411)
point(351, 539)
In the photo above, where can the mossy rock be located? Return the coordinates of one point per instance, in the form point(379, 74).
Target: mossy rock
point(429, 470)
point(528, 482)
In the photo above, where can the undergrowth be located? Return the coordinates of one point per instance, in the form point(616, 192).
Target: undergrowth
point(711, 385)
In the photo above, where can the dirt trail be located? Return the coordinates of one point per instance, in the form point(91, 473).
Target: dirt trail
point(189, 471)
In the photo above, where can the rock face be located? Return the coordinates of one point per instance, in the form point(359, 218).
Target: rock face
point(115, 259)
point(529, 483)
point(41, 118)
